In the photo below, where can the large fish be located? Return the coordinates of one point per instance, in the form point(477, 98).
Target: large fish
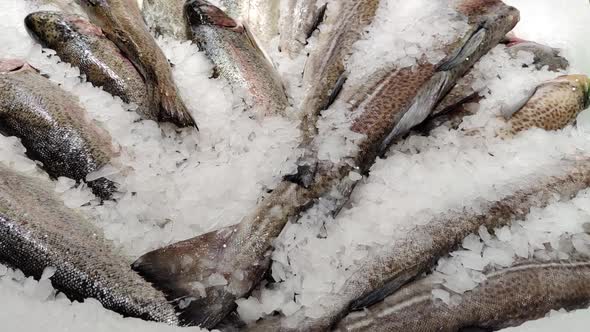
point(239, 255)
point(83, 45)
point(509, 297)
point(237, 57)
point(52, 126)
point(37, 232)
point(166, 17)
point(122, 23)
point(452, 108)
point(298, 22)
point(260, 16)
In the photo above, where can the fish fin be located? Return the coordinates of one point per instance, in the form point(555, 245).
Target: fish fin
point(469, 47)
point(507, 111)
point(336, 90)
point(318, 18)
point(173, 109)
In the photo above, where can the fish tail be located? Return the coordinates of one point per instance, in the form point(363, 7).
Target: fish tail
point(173, 109)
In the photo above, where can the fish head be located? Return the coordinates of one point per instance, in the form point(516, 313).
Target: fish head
point(581, 83)
point(201, 12)
point(8, 66)
point(54, 28)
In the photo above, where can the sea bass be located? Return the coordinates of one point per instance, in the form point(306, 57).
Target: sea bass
point(260, 16)
point(122, 23)
point(52, 126)
point(83, 45)
point(299, 21)
point(237, 57)
point(166, 17)
point(552, 105)
point(508, 297)
point(39, 232)
point(240, 254)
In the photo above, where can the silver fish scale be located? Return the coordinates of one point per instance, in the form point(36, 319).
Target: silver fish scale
point(37, 231)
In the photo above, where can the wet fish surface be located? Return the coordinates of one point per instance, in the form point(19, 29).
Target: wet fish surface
point(260, 16)
point(122, 23)
point(53, 127)
point(37, 232)
point(299, 21)
point(240, 254)
point(166, 18)
point(509, 297)
point(83, 45)
point(237, 57)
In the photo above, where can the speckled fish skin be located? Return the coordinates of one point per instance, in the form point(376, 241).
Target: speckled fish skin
point(166, 18)
point(241, 253)
point(52, 126)
point(299, 21)
point(237, 57)
point(83, 45)
point(324, 69)
point(122, 23)
point(260, 16)
point(507, 298)
point(451, 109)
point(553, 105)
point(38, 231)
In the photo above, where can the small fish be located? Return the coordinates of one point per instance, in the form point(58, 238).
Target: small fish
point(52, 126)
point(83, 45)
point(452, 107)
point(166, 18)
point(237, 57)
point(324, 73)
point(260, 16)
point(122, 23)
point(552, 105)
point(301, 18)
point(509, 297)
point(38, 232)
point(240, 254)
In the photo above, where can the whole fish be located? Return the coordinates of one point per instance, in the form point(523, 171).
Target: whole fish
point(416, 252)
point(83, 45)
point(39, 232)
point(122, 23)
point(260, 16)
point(508, 297)
point(552, 105)
point(451, 107)
point(239, 255)
point(237, 57)
point(299, 21)
point(324, 72)
point(52, 126)
point(166, 17)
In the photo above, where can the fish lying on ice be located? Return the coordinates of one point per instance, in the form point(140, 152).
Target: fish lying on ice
point(237, 57)
point(83, 45)
point(216, 268)
point(452, 109)
point(509, 297)
point(122, 23)
point(39, 232)
point(52, 126)
point(299, 21)
point(260, 16)
point(166, 17)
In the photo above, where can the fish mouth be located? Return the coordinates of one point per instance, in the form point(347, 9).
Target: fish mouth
point(201, 12)
point(12, 65)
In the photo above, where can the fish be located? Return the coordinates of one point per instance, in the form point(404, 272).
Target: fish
point(299, 21)
point(53, 127)
point(452, 107)
point(240, 254)
point(508, 297)
point(83, 45)
point(39, 232)
point(166, 18)
point(122, 23)
point(551, 106)
point(260, 16)
point(416, 252)
point(237, 57)
point(324, 73)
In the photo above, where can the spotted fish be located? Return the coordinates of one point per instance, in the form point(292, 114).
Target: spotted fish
point(299, 21)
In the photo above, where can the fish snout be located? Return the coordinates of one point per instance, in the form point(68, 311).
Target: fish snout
point(38, 22)
point(202, 12)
